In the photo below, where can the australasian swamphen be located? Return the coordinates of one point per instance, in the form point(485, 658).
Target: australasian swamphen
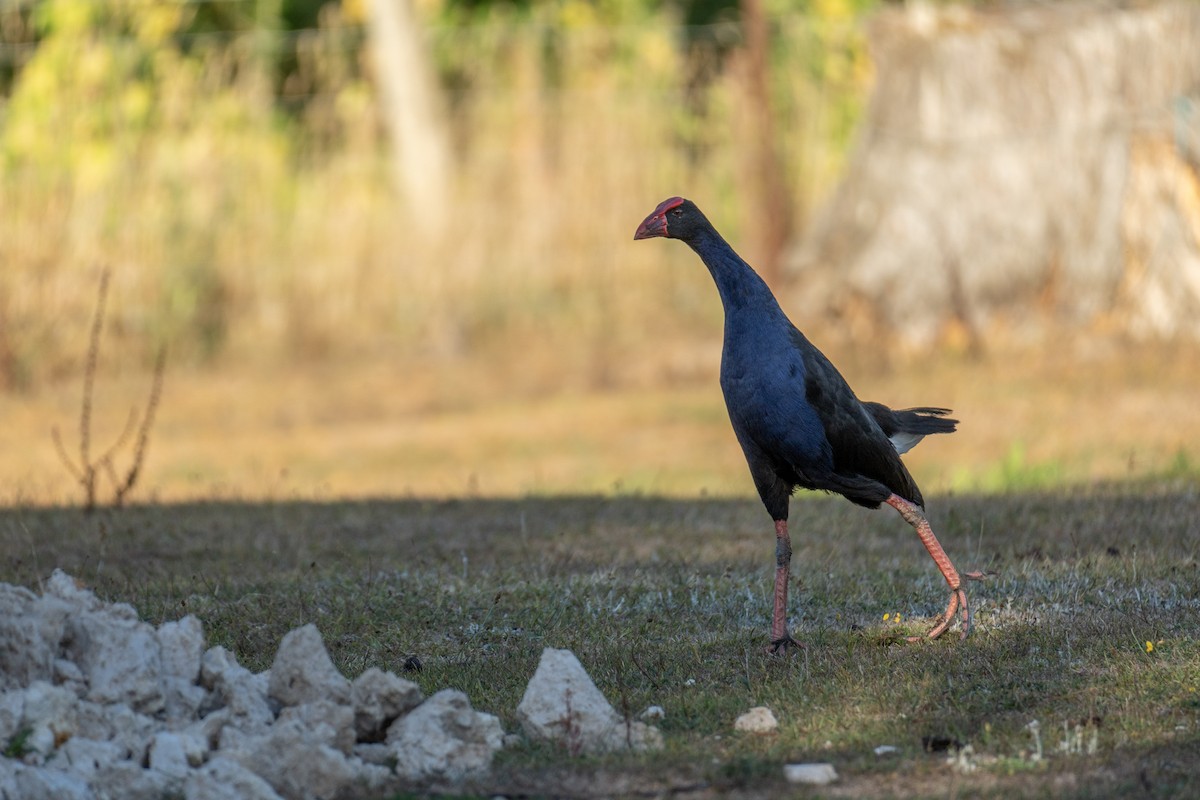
point(798, 421)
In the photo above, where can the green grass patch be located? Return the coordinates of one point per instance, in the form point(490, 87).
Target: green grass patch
point(666, 602)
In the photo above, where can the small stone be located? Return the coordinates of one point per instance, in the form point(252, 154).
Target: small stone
point(816, 774)
point(759, 719)
point(886, 750)
point(653, 714)
point(561, 704)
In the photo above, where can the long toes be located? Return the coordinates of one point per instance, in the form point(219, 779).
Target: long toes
point(780, 646)
point(966, 613)
point(977, 576)
point(946, 619)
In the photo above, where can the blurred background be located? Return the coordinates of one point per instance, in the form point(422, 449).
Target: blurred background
point(387, 245)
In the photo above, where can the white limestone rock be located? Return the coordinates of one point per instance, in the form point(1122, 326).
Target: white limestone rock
point(50, 783)
point(295, 762)
point(119, 657)
point(182, 646)
point(223, 778)
point(27, 649)
point(128, 780)
point(118, 724)
point(378, 698)
point(235, 689)
point(759, 719)
point(561, 704)
point(51, 716)
point(86, 757)
point(62, 586)
point(12, 711)
point(329, 723)
point(815, 774)
point(174, 754)
point(303, 672)
point(444, 739)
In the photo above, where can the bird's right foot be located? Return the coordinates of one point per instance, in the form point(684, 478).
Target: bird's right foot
point(779, 647)
point(958, 605)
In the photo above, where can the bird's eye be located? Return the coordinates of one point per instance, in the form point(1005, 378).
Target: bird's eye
point(678, 212)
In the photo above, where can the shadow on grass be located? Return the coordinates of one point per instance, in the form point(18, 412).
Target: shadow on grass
point(666, 602)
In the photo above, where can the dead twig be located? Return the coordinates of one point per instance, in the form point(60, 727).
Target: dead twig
point(86, 469)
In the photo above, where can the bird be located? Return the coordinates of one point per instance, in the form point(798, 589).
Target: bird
point(799, 423)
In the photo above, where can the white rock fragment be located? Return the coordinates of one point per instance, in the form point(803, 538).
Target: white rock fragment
point(303, 672)
point(50, 783)
point(444, 739)
point(328, 723)
point(817, 774)
point(86, 757)
point(119, 657)
point(127, 780)
point(886, 750)
point(653, 714)
point(62, 586)
point(223, 778)
point(27, 649)
point(174, 754)
point(118, 724)
point(295, 762)
point(49, 715)
point(234, 690)
point(759, 719)
point(379, 697)
point(563, 705)
point(12, 711)
point(181, 645)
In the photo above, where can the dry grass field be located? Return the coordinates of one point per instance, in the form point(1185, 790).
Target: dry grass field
point(500, 426)
point(472, 515)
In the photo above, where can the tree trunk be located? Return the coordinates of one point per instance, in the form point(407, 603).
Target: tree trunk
point(413, 113)
point(1020, 173)
point(772, 223)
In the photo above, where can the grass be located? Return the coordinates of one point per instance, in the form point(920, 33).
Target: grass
point(666, 602)
point(620, 524)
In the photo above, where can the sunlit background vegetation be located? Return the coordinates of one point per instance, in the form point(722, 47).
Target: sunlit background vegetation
point(229, 163)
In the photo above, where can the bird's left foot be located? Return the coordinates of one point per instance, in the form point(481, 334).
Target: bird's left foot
point(780, 646)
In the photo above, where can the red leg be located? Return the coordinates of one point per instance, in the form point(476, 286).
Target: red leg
point(958, 597)
point(780, 639)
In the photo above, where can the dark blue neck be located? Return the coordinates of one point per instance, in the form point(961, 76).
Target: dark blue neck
point(737, 282)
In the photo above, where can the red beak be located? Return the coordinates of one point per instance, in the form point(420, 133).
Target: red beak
point(656, 223)
point(653, 225)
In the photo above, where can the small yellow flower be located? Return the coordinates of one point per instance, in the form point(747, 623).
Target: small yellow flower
point(1149, 646)
point(885, 619)
point(897, 618)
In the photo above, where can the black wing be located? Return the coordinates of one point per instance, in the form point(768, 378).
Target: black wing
point(867, 467)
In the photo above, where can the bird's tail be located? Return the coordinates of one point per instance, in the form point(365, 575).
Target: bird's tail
point(907, 427)
point(924, 420)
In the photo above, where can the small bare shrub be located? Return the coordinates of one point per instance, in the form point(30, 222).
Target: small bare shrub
point(86, 469)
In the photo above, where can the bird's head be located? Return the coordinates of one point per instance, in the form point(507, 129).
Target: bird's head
point(675, 218)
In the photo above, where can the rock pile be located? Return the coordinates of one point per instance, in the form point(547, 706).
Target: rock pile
point(95, 703)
